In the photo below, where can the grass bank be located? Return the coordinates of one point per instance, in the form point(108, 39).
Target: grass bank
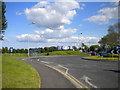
point(0, 71)
point(17, 74)
point(64, 53)
point(103, 58)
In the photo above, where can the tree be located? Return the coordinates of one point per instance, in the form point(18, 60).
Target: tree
point(42, 50)
point(85, 47)
point(52, 49)
point(95, 48)
point(109, 39)
point(113, 36)
point(26, 51)
point(17, 50)
point(5, 50)
point(75, 48)
point(14, 50)
point(115, 28)
point(46, 49)
point(3, 21)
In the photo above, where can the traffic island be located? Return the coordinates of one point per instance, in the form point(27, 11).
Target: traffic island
point(101, 58)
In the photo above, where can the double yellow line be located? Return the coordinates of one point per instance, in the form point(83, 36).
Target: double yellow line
point(73, 80)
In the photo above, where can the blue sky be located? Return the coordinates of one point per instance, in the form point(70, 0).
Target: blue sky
point(93, 28)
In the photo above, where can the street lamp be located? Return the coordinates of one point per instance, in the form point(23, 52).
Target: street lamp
point(79, 39)
point(28, 47)
point(28, 40)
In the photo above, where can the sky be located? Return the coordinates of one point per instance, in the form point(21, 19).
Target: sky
point(41, 24)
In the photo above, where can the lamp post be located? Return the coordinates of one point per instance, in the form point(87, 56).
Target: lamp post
point(28, 41)
point(28, 47)
point(79, 39)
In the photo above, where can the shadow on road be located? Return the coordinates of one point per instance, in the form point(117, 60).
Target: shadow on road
point(116, 71)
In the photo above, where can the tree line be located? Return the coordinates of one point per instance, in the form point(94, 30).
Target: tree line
point(41, 50)
point(53, 48)
point(6, 50)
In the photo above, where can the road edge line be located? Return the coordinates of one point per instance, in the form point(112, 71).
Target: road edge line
point(72, 79)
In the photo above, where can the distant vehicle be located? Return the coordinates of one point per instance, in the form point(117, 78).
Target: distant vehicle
point(103, 53)
point(93, 53)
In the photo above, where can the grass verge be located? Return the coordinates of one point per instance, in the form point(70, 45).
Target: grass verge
point(18, 74)
point(64, 53)
point(0, 71)
point(103, 58)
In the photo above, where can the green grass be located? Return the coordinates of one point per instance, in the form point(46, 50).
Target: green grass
point(103, 58)
point(18, 74)
point(0, 72)
point(64, 53)
point(43, 54)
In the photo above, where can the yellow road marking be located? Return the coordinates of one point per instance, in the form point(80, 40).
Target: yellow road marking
point(76, 81)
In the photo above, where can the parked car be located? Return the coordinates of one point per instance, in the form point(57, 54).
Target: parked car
point(93, 53)
point(103, 53)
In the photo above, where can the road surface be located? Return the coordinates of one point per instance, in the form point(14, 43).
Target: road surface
point(49, 77)
point(93, 74)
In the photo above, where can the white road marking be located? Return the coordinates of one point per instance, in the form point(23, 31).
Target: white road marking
point(87, 80)
point(72, 79)
point(45, 62)
point(37, 59)
point(64, 68)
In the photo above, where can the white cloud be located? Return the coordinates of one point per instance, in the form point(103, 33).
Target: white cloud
point(104, 15)
point(30, 38)
point(41, 4)
point(72, 40)
point(80, 25)
point(62, 33)
point(52, 15)
point(19, 13)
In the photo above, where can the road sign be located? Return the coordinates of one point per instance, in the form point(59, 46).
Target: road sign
point(118, 52)
point(103, 54)
point(118, 47)
point(112, 51)
point(11, 49)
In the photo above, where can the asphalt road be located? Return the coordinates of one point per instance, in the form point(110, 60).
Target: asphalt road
point(100, 74)
point(49, 77)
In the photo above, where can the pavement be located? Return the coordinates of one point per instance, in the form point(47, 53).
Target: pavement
point(93, 74)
